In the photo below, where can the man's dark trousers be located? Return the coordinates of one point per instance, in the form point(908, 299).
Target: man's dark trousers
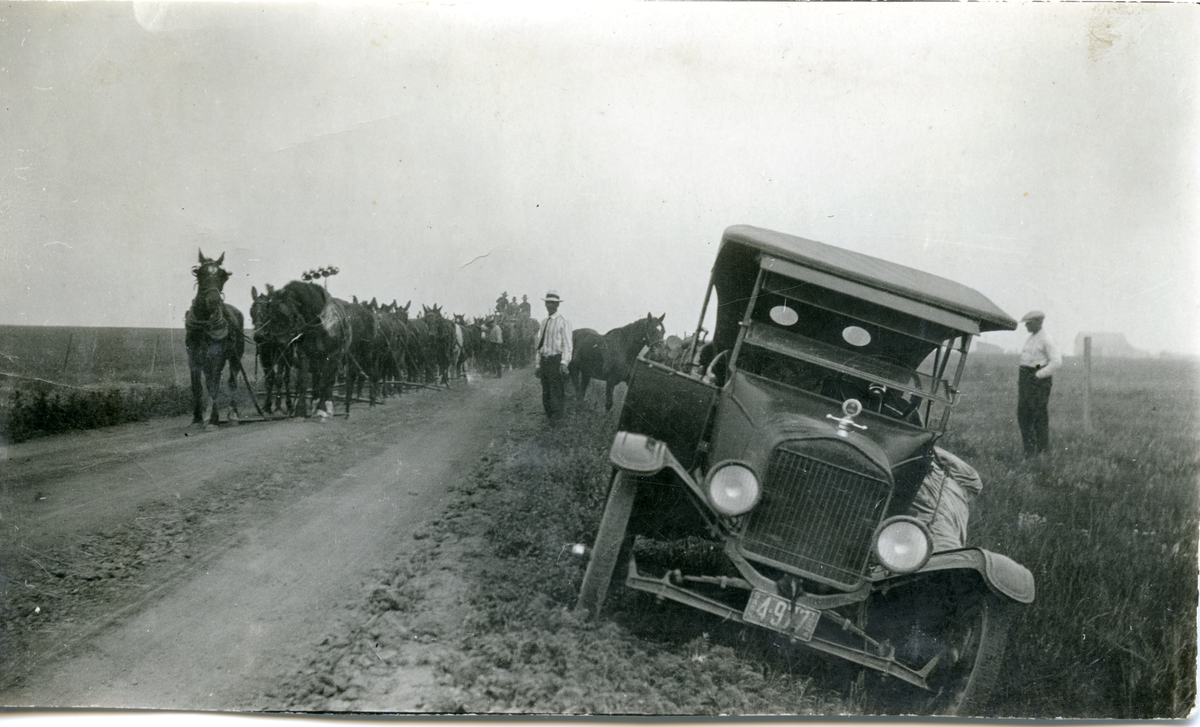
point(553, 383)
point(1033, 415)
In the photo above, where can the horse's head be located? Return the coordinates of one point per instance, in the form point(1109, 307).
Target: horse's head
point(260, 304)
point(210, 280)
point(287, 312)
point(652, 328)
point(258, 307)
point(210, 273)
point(270, 314)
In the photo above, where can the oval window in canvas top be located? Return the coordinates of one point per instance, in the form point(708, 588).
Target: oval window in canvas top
point(856, 336)
point(784, 316)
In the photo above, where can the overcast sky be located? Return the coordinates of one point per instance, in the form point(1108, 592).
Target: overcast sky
point(1045, 154)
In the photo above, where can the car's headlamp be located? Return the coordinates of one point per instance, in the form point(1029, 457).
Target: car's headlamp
point(732, 489)
point(903, 544)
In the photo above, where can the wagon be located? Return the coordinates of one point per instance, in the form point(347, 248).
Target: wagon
point(786, 475)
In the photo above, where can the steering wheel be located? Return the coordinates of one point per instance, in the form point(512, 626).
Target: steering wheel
point(797, 374)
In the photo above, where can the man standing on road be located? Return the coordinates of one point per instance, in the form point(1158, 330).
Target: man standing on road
point(494, 335)
point(553, 356)
point(1040, 358)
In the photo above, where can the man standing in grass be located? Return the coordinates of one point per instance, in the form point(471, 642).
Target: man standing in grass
point(553, 355)
point(1040, 358)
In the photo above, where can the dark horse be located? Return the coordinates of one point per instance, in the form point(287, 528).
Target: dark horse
point(277, 358)
point(304, 317)
point(213, 337)
point(442, 339)
point(610, 357)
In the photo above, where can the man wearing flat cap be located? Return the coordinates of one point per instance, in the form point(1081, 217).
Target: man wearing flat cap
point(1040, 358)
point(553, 356)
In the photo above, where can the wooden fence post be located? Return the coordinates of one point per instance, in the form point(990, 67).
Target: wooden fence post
point(1087, 391)
point(67, 355)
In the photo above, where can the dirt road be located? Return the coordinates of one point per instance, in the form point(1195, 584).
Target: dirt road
point(158, 566)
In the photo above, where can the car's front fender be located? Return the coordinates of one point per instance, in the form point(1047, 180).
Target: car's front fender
point(644, 455)
point(1002, 574)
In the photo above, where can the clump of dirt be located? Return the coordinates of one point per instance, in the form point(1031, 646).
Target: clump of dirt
point(482, 608)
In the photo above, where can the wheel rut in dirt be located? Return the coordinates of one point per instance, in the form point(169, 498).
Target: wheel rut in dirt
point(224, 559)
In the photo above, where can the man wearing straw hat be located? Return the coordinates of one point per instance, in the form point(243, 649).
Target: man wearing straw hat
point(1040, 358)
point(553, 355)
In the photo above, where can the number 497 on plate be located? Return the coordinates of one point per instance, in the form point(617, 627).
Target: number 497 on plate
point(778, 614)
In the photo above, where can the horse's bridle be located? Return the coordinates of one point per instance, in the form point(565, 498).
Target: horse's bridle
point(645, 328)
point(212, 272)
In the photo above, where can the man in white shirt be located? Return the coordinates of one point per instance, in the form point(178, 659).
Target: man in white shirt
point(553, 356)
point(493, 336)
point(1040, 358)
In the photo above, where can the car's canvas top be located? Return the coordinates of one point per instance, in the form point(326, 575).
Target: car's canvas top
point(890, 277)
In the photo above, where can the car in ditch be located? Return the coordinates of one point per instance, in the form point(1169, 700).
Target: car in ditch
point(786, 474)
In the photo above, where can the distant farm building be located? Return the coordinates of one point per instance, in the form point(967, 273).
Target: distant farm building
point(1108, 345)
point(984, 347)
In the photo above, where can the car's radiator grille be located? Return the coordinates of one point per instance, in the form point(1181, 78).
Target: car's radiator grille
point(816, 518)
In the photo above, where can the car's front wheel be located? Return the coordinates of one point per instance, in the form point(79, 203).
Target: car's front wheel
point(974, 644)
point(612, 541)
point(965, 629)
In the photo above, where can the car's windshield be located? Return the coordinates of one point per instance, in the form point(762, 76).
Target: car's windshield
point(805, 354)
point(841, 347)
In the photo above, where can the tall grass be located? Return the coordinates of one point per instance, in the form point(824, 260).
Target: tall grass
point(1107, 521)
point(55, 379)
point(40, 409)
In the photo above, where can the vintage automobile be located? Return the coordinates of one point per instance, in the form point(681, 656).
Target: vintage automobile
point(771, 476)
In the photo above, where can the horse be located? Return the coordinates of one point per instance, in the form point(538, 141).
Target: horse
point(304, 317)
point(213, 337)
point(441, 336)
point(358, 324)
point(524, 341)
point(276, 357)
point(389, 354)
point(610, 357)
point(424, 359)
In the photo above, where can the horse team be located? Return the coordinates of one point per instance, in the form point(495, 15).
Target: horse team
point(306, 340)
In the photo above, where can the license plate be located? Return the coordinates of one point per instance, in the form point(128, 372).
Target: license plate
point(773, 612)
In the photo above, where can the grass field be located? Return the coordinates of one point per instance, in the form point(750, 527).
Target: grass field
point(79, 356)
point(58, 378)
point(1107, 523)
